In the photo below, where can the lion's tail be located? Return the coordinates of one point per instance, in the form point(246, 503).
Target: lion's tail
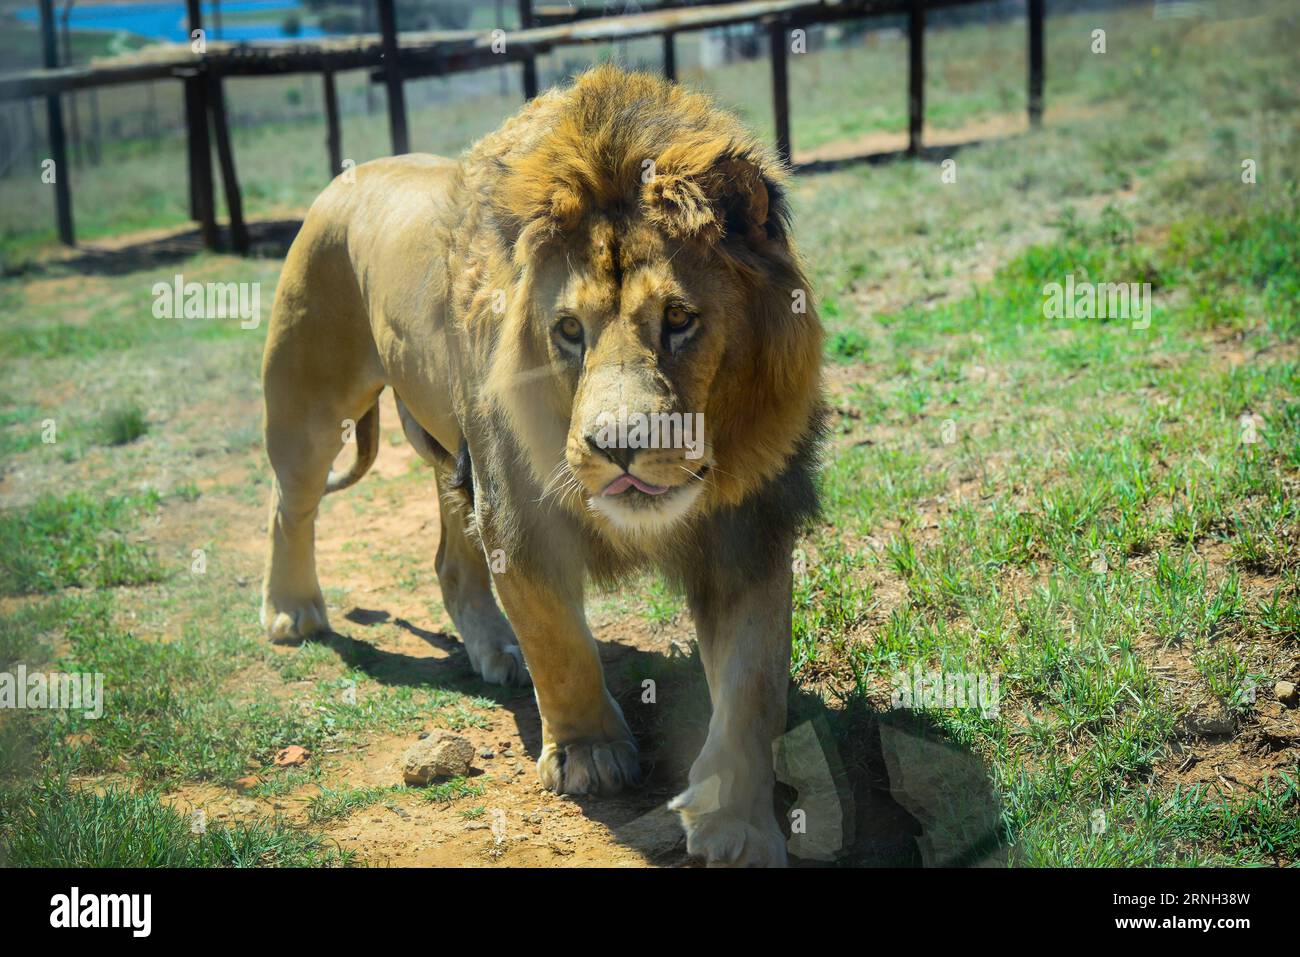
point(367, 448)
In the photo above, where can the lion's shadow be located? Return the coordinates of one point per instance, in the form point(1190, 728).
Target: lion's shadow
point(858, 786)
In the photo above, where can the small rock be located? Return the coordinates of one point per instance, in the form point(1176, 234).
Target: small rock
point(440, 755)
point(1286, 693)
point(243, 806)
point(487, 754)
point(507, 753)
point(244, 785)
point(292, 756)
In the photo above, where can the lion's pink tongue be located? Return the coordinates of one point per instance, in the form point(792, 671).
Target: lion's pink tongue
point(627, 480)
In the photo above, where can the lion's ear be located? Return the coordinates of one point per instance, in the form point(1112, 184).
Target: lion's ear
point(746, 201)
point(711, 192)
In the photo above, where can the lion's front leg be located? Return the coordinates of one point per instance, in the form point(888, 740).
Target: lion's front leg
point(586, 745)
point(744, 636)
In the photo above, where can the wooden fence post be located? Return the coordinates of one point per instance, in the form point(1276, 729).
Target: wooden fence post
point(194, 17)
point(333, 141)
point(777, 36)
point(1035, 62)
point(915, 76)
point(203, 200)
point(393, 78)
point(530, 64)
point(54, 122)
point(226, 157)
point(670, 56)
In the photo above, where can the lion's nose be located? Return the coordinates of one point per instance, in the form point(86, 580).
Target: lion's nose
point(622, 457)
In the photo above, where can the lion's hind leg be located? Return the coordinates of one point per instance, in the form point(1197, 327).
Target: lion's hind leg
point(292, 605)
point(305, 429)
point(466, 584)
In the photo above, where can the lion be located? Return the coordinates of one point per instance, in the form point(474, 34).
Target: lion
point(598, 330)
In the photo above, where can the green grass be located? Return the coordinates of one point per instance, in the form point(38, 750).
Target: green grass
point(56, 828)
point(76, 540)
point(177, 712)
point(1143, 485)
point(1207, 829)
point(446, 792)
point(123, 425)
point(114, 314)
point(333, 804)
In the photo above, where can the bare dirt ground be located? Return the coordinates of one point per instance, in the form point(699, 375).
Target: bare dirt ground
point(520, 823)
point(512, 821)
point(377, 551)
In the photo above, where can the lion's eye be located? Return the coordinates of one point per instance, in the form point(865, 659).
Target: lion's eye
point(570, 329)
point(677, 319)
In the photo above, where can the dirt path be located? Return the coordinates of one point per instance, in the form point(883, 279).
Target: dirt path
point(376, 545)
point(512, 820)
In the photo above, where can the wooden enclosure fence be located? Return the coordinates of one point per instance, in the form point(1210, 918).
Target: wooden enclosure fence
point(395, 57)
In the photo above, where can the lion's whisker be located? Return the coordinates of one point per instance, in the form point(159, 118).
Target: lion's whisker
point(714, 468)
point(571, 487)
point(560, 476)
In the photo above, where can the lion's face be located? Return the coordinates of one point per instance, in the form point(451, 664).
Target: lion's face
point(659, 355)
point(639, 324)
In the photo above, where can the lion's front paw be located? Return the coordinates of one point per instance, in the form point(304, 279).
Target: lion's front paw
point(722, 841)
point(725, 838)
point(287, 622)
point(603, 767)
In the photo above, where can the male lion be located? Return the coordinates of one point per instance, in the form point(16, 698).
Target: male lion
point(618, 249)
